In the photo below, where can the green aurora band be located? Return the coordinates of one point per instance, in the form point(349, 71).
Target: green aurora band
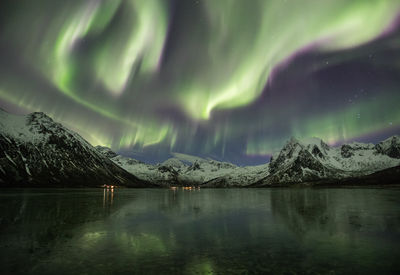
point(267, 33)
point(114, 70)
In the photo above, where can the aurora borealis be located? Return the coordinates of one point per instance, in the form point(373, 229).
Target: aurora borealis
point(226, 79)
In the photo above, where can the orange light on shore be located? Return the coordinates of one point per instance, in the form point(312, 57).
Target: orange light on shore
point(109, 186)
point(184, 187)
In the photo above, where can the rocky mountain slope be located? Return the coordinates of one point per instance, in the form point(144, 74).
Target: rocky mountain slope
point(36, 151)
point(313, 160)
point(299, 161)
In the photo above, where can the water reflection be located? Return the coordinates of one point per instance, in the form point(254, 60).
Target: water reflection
point(108, 197)
point(184, 231)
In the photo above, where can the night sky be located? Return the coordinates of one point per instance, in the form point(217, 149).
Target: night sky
point(226, 79)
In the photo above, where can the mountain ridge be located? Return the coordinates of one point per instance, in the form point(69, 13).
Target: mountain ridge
point(37, 151)
point(299, 161)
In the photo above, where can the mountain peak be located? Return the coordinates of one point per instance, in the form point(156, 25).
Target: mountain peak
point(394, 139)
point(292, 140)
point(173, 162)
point(390, 147)
point(38, 151)
point(39, 117)
point(305, 142)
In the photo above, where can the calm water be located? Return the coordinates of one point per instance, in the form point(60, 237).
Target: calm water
point(214, 231)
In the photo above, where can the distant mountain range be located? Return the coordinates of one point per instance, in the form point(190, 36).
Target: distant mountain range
point(36, 151)
point(298, 162)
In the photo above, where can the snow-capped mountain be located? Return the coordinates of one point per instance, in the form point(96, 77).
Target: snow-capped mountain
point(313, 160)
point(159, 174)
point(299, 161)
point(189, 170)
point(389, 147)
point(36, 151)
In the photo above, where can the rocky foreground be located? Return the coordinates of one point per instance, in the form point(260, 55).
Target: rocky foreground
point(36, 151)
